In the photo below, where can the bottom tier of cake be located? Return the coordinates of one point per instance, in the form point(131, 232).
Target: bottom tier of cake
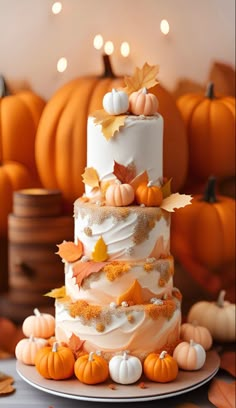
point(140, 329)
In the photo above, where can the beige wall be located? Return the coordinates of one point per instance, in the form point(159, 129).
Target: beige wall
point(32, 39)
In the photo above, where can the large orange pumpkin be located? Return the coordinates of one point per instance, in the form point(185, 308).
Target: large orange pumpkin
point(19, 118)
point(210, 125)
point(62, 132)
point(203, 238)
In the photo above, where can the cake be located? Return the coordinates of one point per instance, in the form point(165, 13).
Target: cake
point(119, 292)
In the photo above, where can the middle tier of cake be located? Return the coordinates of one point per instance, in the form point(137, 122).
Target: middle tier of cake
point(130, 233)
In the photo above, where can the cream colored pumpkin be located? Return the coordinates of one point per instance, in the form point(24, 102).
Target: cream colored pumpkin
point(189, 355)
point(39, 325)
point(26, 349)
point(218, 317)
point(115, 102)
point(119, 195)
point(199, 334)
point(143, 103)
point(125, 369)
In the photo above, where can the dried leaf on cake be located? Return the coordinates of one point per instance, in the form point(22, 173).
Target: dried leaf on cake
point(175, 201)
point(99, 253)
point(124, 173)
point(90, 177)
point(144, 77)
point(57, 293)
point(222, 394)
point(75, 344)
point(69, 251)
point(110, 123)
point(82, 270)
point(140, 178)
point(6, 384)
point(228, 362)
point(166, 188)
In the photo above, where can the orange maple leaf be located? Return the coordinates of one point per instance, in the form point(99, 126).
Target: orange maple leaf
point(75, 344)
point(144, 77)
point(82, 270)
point(140, 178)
point(124, 173)
point(90, 177)
point(69, 251)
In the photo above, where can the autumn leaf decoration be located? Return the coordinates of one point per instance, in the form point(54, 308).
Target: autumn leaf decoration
point(125, 174)
point(69, 251)
point(57, 293)
point(144, 77)
point(75, 344)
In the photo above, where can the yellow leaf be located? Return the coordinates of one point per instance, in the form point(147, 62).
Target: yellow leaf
point(142, 78)
point(100, 251)
point(57, 293)
point(133, 295)
point(110, 123)
point(90, 177)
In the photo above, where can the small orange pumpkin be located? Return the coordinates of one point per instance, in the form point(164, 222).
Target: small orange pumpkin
point(39, 325)
point(199, 334)
point(189, 355)
point(160, 367)
point(91, 369)
point(149, 195)
point(143, 103)
point(119, 195)
point(56, 362)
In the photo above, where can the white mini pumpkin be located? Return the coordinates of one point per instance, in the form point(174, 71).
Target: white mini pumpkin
point(125, 369)
point(189, 355)
point(115, 102)
point(26, 349)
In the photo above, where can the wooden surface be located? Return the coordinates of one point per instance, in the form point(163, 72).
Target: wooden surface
point(27, 396)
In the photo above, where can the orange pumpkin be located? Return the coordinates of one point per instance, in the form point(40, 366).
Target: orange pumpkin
point(143, 103)
point(62, 133)
point(189, 355)
point(149, 195)
point(119, 195)
point(20, 114)
point(203, 237)
point(210, 124)
point(56, 362)
point(39, 325)
point(91, 369)
point(199, 334)
point(160, 367)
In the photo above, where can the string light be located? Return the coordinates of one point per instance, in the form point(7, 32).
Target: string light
point(98, 41)
point(108, 47)
point(164, 27)
point(62, 64)
point(56, 7)
point(125, 49)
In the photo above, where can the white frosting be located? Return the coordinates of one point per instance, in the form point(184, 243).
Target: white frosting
point(140, 141)
point(121, 334)
point(118, 233)
point(101, 291)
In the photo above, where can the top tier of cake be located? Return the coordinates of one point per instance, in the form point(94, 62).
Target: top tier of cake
point(138, 142)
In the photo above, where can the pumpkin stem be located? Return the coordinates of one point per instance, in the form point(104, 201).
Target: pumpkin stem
point(108, 72)
point(221, 298)
point(90, 357)
point(4, 91)
point(210, 91)
point(37, 312)
point(162, 355)
point(31, 337)
point(55, 347)
point(192, 343)
point(125, 355)
point(210, 193)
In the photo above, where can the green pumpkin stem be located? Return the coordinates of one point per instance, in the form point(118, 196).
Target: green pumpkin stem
point(210, 193)
point(4, 91)
point(210, 91)
point(108, 72)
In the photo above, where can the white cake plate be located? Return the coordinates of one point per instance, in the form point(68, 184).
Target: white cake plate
point(73, 389)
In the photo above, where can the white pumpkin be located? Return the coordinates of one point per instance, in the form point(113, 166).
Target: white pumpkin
point(115, 102)
point(26, 349)
point(125, 369)
point(189, 355)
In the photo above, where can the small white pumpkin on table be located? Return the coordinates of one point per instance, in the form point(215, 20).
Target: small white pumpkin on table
point(125, 368)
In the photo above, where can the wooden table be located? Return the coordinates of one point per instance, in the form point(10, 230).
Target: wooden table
point(26, 395)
